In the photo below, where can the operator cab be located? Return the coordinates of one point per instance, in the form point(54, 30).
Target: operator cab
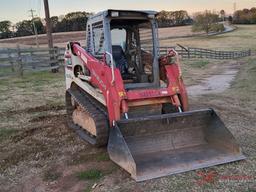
point(131, 38)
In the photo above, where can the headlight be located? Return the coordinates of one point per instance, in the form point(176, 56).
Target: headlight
point(114, 14)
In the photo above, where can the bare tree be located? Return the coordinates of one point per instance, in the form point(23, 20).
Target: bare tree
point(205, 21)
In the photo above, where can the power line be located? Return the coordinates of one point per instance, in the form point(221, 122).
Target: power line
point(32, 11)
point(34, 26)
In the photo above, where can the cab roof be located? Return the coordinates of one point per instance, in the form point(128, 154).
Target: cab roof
point(125, 13)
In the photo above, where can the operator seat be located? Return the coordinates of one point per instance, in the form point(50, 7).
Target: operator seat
point(120, 59)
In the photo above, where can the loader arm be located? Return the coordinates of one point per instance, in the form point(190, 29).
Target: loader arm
point(101, 76)
point(118, 99)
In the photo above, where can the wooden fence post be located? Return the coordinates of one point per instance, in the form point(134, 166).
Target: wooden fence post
point(31, 55)
point(11, 60)
point(58, 56)
point(53, 63)
point(19, 61)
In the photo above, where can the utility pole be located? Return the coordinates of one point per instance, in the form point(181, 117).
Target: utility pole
point(34, 26)
point(48, 24)
point(234, 6)
point(49, 36)
point(13, 29)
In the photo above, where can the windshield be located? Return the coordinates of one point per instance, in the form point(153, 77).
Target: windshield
point(132, 48)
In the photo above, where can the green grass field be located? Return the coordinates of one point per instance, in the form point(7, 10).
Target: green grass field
point(241, 39)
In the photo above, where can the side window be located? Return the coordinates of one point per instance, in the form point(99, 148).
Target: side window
point(88, 36)
point(118, 37)
point(147, 45)
point(98, 39)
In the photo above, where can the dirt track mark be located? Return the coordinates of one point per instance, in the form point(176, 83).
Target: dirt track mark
point(35, 142)
point(34, 109)
point(47, 118)
point(45, 121)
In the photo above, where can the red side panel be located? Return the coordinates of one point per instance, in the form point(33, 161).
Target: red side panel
point(101, 77)
point(114, 92)
point(176, 84)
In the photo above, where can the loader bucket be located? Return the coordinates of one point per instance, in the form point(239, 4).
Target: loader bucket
point(161, 145)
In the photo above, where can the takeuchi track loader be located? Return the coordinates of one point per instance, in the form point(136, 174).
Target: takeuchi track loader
point(121, 93)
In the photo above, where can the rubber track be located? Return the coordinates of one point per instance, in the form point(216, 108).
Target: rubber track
point(95, 110)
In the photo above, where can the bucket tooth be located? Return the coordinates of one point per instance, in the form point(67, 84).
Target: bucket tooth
point(161, 145)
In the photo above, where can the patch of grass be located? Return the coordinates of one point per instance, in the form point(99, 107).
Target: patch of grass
point(78, 159)
point(88, 189)
point(32, 89)
point(241, 39)
point(111, 169)
point(92, 174)
point(6, 133)
point(102, 157)
point(5, 71)
point(38, 89)
point(199, 63)
point(81, 157)
point(34, 78)
point(51, 175)
point(244, 86)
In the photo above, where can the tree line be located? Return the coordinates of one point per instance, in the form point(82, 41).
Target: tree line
point(208, 21)
point(173, 18)
point(245, 16)
point(76, 21)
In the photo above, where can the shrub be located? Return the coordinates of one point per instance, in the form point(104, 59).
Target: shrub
point(217, 27)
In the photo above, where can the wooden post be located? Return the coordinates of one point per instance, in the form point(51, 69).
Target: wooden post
point(49, 32)
point(56, 58)
point(31, 55)
point(19, 61)
point(58, 55)
point(10, 59)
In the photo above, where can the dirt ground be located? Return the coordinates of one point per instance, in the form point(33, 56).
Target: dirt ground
point(38, 152)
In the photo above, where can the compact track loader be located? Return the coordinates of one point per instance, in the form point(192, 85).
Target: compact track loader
point(121, 93)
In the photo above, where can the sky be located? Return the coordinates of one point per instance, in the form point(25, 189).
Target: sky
point(17, 10)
